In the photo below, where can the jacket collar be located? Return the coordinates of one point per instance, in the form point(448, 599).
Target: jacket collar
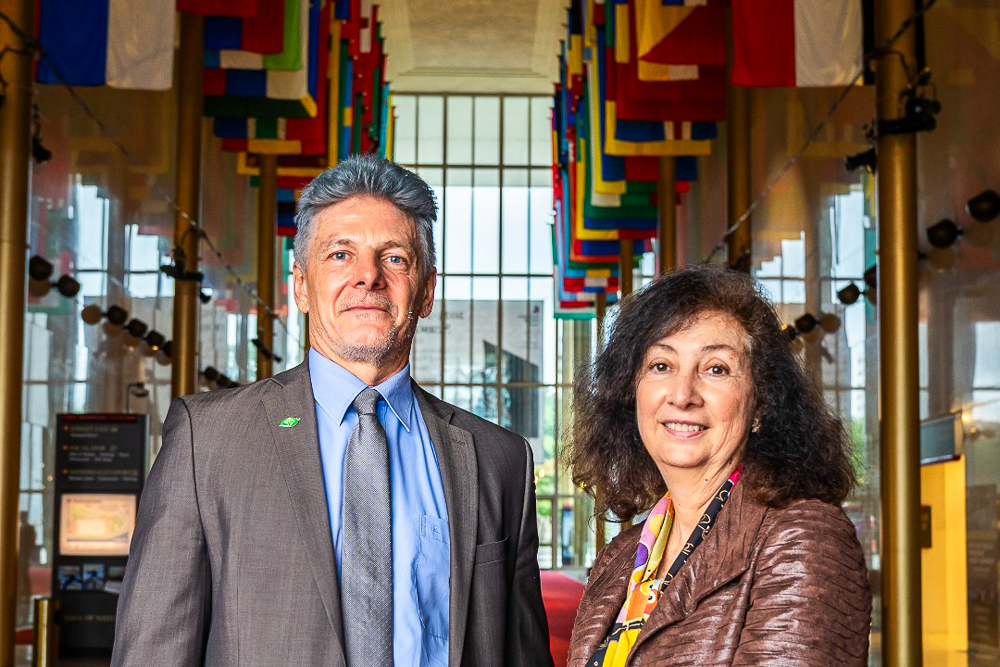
point(724, 555)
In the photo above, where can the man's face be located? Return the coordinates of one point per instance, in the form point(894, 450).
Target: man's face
point(363, 285)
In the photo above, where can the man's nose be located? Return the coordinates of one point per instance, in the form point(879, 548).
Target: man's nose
point(367, 271)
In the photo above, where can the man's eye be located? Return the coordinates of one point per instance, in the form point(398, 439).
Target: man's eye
point(338, 255)
point(396, 259)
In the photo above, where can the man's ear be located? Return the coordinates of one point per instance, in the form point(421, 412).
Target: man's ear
point(427, 304)
point(301, 287)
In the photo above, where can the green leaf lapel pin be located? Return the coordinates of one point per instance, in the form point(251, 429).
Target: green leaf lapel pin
point(289, 422)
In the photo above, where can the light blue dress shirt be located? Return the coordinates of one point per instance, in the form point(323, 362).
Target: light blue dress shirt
point(421, 584)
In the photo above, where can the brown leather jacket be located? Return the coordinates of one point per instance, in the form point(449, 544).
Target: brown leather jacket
point(768, 586)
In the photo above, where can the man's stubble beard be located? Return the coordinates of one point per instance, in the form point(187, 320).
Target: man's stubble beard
point(379, 353)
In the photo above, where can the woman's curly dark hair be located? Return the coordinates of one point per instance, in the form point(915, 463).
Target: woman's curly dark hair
point(799, 448)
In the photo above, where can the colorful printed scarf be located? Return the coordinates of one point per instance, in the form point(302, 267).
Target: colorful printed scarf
point(643, 589)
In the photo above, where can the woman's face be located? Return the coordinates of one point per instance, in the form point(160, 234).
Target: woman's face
point(694, 397)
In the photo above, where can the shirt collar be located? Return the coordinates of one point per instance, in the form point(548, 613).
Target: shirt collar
point(335, 388)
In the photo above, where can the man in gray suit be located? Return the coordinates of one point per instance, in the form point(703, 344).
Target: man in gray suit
point(337, 514)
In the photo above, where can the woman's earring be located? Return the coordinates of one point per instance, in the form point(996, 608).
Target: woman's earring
point(756, 425)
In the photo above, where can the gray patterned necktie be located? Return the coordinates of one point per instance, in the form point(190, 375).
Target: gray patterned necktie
point(366, 566)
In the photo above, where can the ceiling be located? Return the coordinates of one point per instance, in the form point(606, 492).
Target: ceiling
point(472, 46)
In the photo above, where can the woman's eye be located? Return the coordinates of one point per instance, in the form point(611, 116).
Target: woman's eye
point(659, 367)
point(718, 369)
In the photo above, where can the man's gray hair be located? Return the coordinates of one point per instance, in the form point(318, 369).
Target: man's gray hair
point(377, 177)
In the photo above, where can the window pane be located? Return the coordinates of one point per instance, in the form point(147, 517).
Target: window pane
point(460, 130)
point(404, 137)
point(425, 355)
point(486, 148)
point(544, 519)
point(515, 130)
point(541, 297)
point(516, 252)
point(485, 230)
point(541, 220)
point(430, 129)
point(460, 396)
point(455, 310)
point(484, 403)
point(458, 221)
point(485, 338)
point(541, 131)
point(434, 176)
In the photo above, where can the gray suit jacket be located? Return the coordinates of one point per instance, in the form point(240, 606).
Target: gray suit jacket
point(232, 560)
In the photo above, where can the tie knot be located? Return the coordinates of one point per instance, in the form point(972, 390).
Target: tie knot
point(366, 401)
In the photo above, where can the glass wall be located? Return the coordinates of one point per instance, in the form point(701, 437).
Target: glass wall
point(101, 211)
point(492, 345)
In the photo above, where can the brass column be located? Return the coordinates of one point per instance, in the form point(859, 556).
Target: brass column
point(267, 220)
point(738, 174)
point(190, 61)
point(15, 117)
point(666, 190)
point(898, 362)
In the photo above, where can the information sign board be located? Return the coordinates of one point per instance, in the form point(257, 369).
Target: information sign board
point(100, 469)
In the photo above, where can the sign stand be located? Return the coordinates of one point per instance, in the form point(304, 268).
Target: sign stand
point(100, 469)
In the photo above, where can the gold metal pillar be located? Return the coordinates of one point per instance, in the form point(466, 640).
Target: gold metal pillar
point(626, 259)
point(15, 142)
point(44, 647)
point(738, 175)
point(898, 360)
point(190, 63)
point(666, 192)
point(267, 220)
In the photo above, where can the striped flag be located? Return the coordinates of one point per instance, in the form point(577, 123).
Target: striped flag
point(796, 42)
point(118, 43)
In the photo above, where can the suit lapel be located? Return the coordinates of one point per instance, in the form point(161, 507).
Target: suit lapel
point(724, 555)
point(290, 395)
point(456, 458)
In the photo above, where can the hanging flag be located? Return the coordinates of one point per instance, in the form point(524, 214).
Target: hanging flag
point(227, 45)
point(269, 92)
point(252, 36)
point(118, 43)
point(699, 99)
point(221, 7)
point(796, 42)
point(293, 136)
point(691, 33)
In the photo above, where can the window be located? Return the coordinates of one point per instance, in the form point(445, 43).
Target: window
point(492, 345)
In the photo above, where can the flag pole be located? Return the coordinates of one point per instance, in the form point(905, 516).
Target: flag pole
point(898, 389)
point(267, 213)
point(739, 243)
point(666, 192)
point(190, 63)
point(15, 141)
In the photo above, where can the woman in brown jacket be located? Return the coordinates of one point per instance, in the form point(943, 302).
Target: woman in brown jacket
point(698, 412)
